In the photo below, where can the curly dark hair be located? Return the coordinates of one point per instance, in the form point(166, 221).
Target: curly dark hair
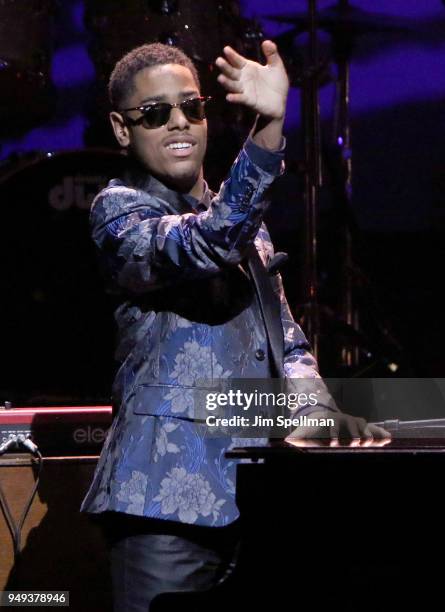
point(121, 83)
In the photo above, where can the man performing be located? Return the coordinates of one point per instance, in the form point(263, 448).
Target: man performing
point(176, 253)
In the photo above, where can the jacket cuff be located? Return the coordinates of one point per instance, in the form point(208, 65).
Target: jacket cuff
point(271, 162)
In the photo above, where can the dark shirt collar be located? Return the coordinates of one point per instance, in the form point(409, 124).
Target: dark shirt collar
point(204, 202)
point(137, 176)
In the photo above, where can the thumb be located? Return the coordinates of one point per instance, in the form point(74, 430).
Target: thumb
point(270, 50)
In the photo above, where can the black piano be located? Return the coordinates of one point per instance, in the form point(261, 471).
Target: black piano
point(347, 529)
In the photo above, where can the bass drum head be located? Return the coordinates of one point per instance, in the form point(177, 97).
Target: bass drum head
point(57, 329)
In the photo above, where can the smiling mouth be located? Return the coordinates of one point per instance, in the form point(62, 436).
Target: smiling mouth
point(182, 149)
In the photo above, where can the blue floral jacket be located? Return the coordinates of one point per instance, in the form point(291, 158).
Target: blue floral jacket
point(187, 311)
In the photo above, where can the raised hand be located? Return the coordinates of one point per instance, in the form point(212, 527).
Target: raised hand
point(261, 88)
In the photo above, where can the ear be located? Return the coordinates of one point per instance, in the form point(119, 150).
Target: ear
point(120, 129)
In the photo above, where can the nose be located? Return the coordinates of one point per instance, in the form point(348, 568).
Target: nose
point(177, 119)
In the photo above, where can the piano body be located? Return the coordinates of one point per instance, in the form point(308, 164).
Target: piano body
point(349, 529)
point(335, 529)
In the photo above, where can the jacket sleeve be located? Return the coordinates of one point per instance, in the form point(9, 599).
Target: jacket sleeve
point(141, 248)
point(300, 366)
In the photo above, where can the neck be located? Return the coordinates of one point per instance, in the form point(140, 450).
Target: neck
point(187, 188)
point(197, 190)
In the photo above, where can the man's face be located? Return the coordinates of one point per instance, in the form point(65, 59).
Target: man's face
point(179, 168)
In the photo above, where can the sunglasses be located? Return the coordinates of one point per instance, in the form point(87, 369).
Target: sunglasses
point(157, 114)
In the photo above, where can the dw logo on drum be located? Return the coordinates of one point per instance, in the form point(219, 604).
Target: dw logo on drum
point(78, 191)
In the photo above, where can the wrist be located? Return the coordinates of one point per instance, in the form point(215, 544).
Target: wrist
point(268, 132)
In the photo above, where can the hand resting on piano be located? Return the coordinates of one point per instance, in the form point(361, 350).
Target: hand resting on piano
point(347, 430)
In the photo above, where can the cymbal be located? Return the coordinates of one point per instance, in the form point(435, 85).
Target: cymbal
point(349, 18)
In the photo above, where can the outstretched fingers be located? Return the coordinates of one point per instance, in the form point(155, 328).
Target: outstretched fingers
point(234, 58)
point(270, 51)
point(229, 71)
point(230, 84)
point(238, 98)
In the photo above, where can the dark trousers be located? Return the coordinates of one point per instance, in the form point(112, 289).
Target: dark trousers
point(149, 557)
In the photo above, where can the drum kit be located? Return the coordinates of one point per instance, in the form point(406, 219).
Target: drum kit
point(52, 288)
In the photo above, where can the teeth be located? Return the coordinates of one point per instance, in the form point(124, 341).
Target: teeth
point(179, 145)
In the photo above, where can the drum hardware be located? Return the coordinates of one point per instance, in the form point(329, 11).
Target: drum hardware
point(341, 152)
point(313, 181)
point(349, 20)
point(344, 23)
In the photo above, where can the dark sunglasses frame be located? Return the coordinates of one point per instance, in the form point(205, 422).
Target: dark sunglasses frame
point(165, 109)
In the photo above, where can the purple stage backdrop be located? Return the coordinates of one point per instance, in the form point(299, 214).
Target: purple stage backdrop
point(397, 112)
